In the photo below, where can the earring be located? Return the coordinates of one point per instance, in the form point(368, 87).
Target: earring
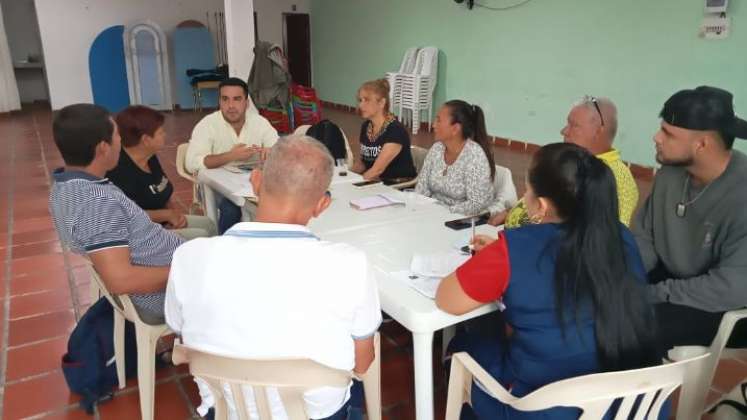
point(536, 219)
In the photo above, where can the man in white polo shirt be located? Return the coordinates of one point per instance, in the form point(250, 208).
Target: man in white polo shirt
point(234, 134)
point(271, 289)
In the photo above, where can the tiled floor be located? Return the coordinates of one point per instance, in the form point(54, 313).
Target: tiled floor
point(44, 289)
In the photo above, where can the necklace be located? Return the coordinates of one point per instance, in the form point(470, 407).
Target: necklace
point(446, 161)
point(682, 205)
point(372, 137)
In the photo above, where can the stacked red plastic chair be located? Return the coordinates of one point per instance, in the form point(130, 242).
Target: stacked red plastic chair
point(278, 118)
point(307, 108)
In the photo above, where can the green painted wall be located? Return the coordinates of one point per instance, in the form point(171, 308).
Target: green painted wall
point(526, 66)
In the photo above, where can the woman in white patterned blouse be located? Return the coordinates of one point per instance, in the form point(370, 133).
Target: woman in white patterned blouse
point(459, 169)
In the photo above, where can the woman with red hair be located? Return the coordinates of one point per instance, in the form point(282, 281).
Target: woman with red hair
point(140, 176)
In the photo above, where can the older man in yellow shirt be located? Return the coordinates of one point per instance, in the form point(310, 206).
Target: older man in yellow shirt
point(591, 124)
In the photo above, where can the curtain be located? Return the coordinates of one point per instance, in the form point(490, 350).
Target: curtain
point(9, 98)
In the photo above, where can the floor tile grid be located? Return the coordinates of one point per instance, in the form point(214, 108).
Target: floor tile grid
point(174, 378)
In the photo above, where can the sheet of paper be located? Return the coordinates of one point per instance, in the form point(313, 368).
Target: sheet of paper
point(237, 183)
point(375, 201)
point(439, 264)
point(426, 286)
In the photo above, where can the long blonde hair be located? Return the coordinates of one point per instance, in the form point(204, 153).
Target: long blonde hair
point(380, 87)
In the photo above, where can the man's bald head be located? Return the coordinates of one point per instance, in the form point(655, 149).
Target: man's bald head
point(592, 124)
point(298, 169)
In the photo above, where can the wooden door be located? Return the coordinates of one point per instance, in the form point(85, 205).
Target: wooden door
point(297, 40)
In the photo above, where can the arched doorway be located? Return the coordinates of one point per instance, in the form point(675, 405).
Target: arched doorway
point(148, 65)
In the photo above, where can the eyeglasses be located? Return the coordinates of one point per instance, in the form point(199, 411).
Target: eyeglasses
point(593, 100)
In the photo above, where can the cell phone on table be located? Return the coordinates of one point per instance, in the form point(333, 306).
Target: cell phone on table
point(395, 181)
point(459, 224)
point(364, 183)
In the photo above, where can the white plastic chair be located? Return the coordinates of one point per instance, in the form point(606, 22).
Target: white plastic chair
point(693, 395)
point(418, 158)
point(290, 376)
point(181, 169)
point(146, 336)
point(418, 87)
point(593, 394)
point(395, 78)
point(505, 190)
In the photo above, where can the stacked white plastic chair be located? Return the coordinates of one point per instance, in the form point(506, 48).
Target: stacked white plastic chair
point(395, 78)
point(417, 89)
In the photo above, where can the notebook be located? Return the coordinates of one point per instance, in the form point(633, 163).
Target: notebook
point(375, 201)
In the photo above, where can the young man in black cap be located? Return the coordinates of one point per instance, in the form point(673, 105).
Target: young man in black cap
point(692, 229)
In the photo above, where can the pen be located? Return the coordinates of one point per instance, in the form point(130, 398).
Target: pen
point(472, 247)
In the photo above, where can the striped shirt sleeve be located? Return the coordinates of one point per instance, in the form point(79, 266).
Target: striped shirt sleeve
point(485, 276)
point(101, 223)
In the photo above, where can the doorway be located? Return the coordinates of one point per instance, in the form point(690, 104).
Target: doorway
point(297, 46)
point(148, 66)
point(24, 42)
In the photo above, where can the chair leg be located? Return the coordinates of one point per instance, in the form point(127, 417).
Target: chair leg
point(146, 369)
point(95, 292)
point(119, 347)
point(455, 396)
point(372, 384)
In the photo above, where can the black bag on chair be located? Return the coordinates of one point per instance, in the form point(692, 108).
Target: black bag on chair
point(329, 134)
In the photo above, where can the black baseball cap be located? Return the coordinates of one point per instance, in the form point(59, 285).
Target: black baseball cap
point(704, 108)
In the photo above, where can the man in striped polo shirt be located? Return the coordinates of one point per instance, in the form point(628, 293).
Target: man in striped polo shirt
point(93, 217)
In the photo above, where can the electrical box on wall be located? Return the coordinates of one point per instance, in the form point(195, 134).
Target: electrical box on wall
point(715, 27)
point(715, 23)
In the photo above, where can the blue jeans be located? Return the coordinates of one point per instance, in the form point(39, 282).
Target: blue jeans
point(351, 410)
point(228, 215)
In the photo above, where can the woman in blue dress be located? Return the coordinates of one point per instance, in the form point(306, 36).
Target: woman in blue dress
point(572, 283)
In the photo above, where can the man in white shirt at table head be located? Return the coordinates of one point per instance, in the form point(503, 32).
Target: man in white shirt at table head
point(271, 289)
point(234, 134)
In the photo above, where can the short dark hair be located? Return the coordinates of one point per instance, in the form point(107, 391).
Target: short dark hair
point(78, 129)
point(135, 121)
point(234, 81)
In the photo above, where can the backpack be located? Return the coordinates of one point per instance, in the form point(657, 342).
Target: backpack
point(330, 135)
point(88, 365)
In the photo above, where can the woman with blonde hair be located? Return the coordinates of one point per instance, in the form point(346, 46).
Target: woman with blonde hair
point(385, 144)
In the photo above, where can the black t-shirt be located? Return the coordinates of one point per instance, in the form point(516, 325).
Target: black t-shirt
point(150, 191)
point(402, 165)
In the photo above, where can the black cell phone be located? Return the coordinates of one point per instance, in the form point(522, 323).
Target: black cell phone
point(394, 181)
point(364, 183)
point(465, 223)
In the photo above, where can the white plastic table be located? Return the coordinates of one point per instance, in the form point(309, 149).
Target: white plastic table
point(389, 236)
point(341, 217)
point(390, 248)
point(234, 185)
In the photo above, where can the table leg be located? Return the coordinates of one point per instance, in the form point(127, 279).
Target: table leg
point(423, 359)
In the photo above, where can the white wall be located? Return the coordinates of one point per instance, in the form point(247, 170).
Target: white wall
point(69, 27)
point(240, 37)
point(23, 39)
point(270, 17)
